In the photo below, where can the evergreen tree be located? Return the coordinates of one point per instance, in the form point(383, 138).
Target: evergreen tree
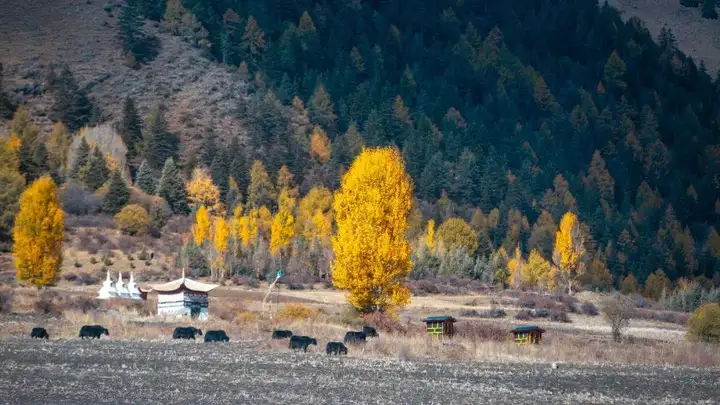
point(253, 41)
point(117, 196)
point(171, 187)
point(239, 168)
point(434, 177)
point(71, 105)
point(708, 9)
point(129, 25)
point(82, 155)
point(145, 179)
point(209, 149)
point(130, 130)
point(98, 171)
point(161, 143)
point(322, 110)
point(220, 172)
point(467, 181)
point(6, 107)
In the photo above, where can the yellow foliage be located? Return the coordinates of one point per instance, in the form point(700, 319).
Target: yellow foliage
point(516, 267)
point(247, 230)
point(221, 234)
point(245, 317)
point(58, 146)
point(704, 324)
point(455, 233)
point(38, 234)
point(133, 220)
point(201, 229)
point(296, 312)
point(319, 145)
point(283, 225)
point(538, 272)
point(321, 229)
point(568, 250)
point(10, 153)
point(202, 191)
point(263, 218)
point(318, 198)
point(430, 236)
point(372, 256)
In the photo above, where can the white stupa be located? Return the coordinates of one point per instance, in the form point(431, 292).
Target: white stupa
point(133, 291)
point(120, 288)
point(108, 289)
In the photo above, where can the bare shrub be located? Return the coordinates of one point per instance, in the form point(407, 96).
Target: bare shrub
point(483, 332)
point(384, 322)
point(82, 304)
point(469, 313)
point(296, 312)
point(46, 304)
point(618, 310)
point(6, 298)
point(559, 316)
point(570, 302)
point(422, 287)
point(246, 317)
point(76, 200)
point(588, 308)
point(524, 315)
point(679, 318)
point(491, 313)
point(179, 224)
point(71, 277)
point(89, 221)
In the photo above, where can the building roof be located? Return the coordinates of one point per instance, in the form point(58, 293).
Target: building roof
point(439, 318)
point(527, 328)
point(191, 285)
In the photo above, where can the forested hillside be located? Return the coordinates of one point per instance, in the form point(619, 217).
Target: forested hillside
point(508, 116)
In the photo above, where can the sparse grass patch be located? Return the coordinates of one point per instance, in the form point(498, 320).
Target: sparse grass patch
point(6, 301)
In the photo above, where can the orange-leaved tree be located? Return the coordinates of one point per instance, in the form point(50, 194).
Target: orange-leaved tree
point(38, 234)
point(372, 255)
point(569, 250)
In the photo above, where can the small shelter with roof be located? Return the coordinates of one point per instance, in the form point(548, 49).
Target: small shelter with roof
point(440, 325)
point(183, 297)
point(530, 334)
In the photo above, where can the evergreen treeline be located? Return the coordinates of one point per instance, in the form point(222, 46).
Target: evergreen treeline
point(525, 111)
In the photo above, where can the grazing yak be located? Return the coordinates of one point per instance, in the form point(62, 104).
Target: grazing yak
point(186, 333)
point(39, 333)
point(336, 348)
point(355, 338)
point(216, 336)
point(93, 332)
point(301, 342)
point(281, 334)
point(370, 331)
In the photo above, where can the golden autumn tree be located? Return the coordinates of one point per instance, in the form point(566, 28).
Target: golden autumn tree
point(221, 235)
point(455, 233)
point(538, 271)
point(318, 198)
point(283, 224)
point(38, 234)
point(201, 229)
point(201, 191)
point(372, 255)
point(247, 230)
point(569, 250)
point(321, 229)
point(516, 267)
point(430, 236)
point(319, 145)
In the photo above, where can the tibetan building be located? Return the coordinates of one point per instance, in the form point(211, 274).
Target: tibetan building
point(183, 297)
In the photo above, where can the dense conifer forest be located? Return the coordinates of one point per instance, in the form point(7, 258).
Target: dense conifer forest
point(508, 115)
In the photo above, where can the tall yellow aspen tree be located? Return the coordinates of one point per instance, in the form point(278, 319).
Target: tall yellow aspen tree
point(38, 234)
point(569, 250)
point(372, 255)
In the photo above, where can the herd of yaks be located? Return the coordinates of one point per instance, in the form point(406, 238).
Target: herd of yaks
point(296, 342)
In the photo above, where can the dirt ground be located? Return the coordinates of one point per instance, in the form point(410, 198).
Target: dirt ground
point(117, 372)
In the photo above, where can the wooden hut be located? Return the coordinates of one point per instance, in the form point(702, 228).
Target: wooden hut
point(183, 297)
point(440, 325)
point(524, 335)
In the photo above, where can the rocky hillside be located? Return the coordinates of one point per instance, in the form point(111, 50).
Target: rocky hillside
point(81, 33)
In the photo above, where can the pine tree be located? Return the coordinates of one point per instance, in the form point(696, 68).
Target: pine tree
point(145, 179)
point(130, 130)
point(253, 40)
point(161, 143)
point(117, 196)
point(6, 107)
point(129, 25)
point(433, 178)
point(322, 110)
point(158, 219)
point(209, 149)
point(98, 172)
point(708, 9)
point(220, 172)
point(38, 234)
point(82, 155)
point(58, 145)
point(467, 182)
point(614, 71)
point(71, 105)
point(171, 187)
